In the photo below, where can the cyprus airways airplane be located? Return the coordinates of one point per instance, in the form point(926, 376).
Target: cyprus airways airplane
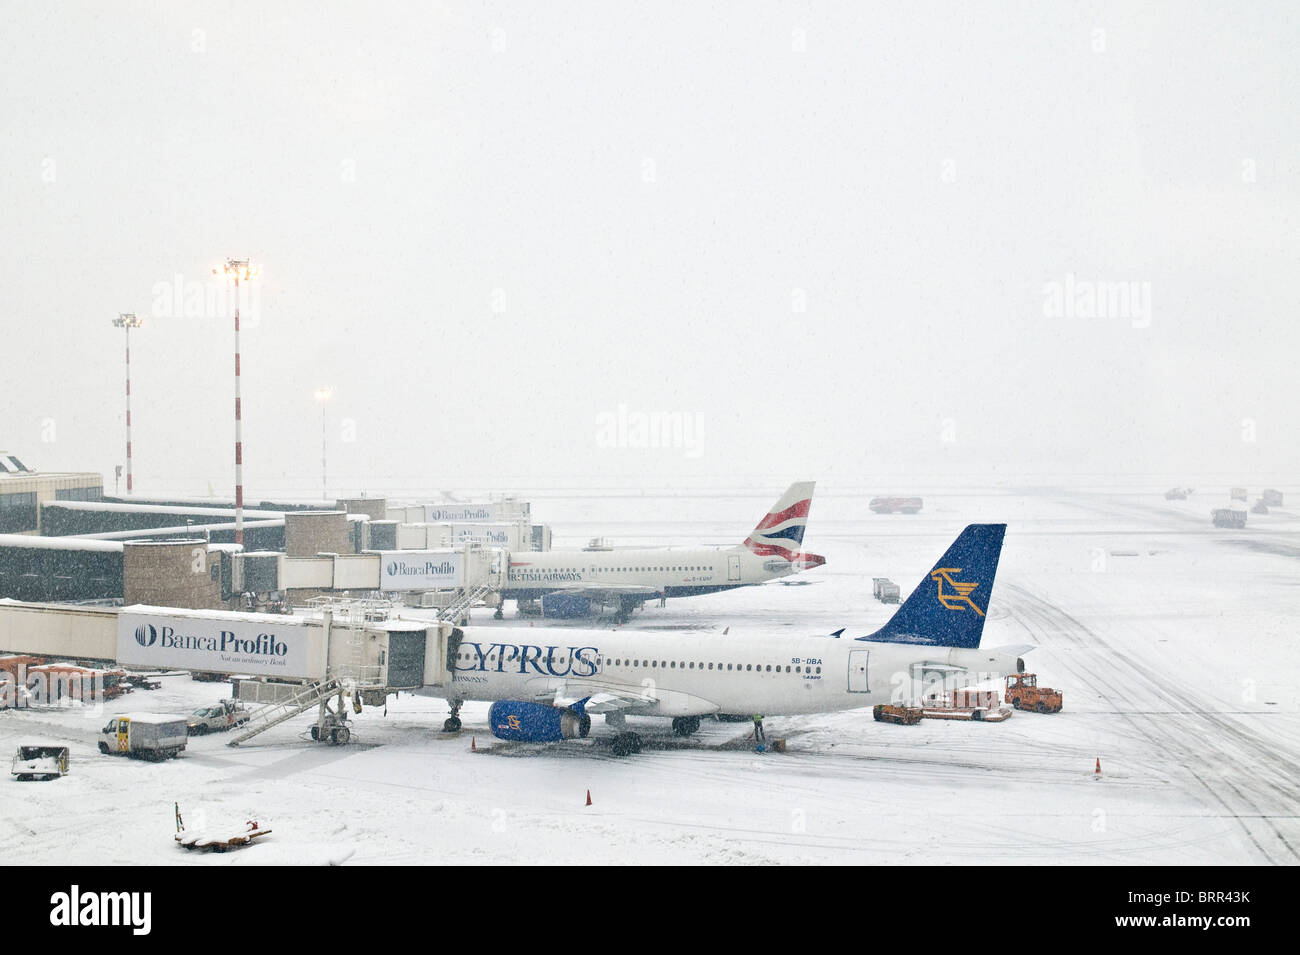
point(546, 692)
point(628, 578)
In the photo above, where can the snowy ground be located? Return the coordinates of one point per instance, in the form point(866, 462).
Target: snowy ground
point(1173, 642)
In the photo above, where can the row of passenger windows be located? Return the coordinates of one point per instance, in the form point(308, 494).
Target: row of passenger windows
point(660, 664)
point(596, 570)
point(692, 665)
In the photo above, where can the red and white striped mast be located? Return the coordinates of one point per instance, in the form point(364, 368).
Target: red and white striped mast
point(238, 269)
point(128, 321)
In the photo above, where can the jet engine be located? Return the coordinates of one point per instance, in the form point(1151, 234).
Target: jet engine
point(523, 722)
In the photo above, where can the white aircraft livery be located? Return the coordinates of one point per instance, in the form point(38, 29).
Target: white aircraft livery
point(570, 582)
point(546, 686)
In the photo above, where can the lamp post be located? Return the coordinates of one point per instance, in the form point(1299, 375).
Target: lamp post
point(128, 321)
point(323, 395)
point(238, 269)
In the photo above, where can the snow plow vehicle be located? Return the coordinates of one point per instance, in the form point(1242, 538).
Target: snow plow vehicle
point(1024, 693)
point(895, 505)
point(40, 762)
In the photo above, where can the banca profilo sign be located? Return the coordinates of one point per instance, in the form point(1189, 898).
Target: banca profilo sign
point(256, 644)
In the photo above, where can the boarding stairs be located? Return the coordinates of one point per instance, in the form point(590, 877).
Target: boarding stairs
point(351, 616)
point(273, 714)
point(457, 608)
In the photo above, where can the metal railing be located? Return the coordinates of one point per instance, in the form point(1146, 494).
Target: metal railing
point(273, 714)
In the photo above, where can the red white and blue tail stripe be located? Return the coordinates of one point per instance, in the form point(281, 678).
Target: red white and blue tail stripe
point(780, 533)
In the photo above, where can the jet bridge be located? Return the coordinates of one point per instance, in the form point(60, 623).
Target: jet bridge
point(346, 649)
point(371, 655)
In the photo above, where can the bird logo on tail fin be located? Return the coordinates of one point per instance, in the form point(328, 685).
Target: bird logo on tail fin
point(959, 597)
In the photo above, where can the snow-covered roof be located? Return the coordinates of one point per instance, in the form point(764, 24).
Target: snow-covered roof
point(155, 719)
point(400, 626)
point(108, 507)
point(35, 542)
point(179, 540)
point(219, 502)
point(183, 529)
point(279, 619)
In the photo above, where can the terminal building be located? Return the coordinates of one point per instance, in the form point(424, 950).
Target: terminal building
point(64, 541)
point(23, 491)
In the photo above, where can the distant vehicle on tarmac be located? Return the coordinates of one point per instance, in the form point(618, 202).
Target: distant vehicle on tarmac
point(1237, 493)
point(1271, 497)
point(885, 590)
point(1228, 517)
point(144, 736)
point(895, 505)
point(1178, 493)
point(1024, 693)
point(214, 719)
point(143, 681)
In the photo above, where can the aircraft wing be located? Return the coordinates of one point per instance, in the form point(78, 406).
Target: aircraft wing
point(597, 591)
point(602, 701)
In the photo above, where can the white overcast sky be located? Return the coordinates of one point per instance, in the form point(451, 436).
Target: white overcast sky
point(823, 231)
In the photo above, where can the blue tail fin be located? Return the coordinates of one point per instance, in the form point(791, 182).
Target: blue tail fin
point(947, 608)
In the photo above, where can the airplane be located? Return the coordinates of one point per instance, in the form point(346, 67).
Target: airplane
point(574, 580)
point(544, 692)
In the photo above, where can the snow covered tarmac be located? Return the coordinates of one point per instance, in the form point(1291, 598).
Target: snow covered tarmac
point(1173, 643)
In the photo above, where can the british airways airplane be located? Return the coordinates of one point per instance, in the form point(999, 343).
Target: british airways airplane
point(573, 583)
point(548, 691)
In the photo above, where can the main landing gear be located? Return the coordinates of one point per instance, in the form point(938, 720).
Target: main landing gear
point(626, 606)
point(627, 744)
point(452, 723)
point(686, 725)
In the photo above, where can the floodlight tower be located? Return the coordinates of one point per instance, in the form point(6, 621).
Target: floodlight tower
point(128, 321)
point(239, 270)
point(323, 395)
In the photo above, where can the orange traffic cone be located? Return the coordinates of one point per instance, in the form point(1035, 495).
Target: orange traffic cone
point(472, 747)
point(1098, 770)
point(588, 797)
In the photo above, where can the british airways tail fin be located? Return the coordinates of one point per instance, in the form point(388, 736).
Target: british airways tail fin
point(947, 608)
point(780, 532)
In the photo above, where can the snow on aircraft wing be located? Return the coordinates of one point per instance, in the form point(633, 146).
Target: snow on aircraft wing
point(614, 702)
point(602, 701)
point(595, 590)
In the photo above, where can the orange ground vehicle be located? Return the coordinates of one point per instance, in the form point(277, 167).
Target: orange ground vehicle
point(1024, 693)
